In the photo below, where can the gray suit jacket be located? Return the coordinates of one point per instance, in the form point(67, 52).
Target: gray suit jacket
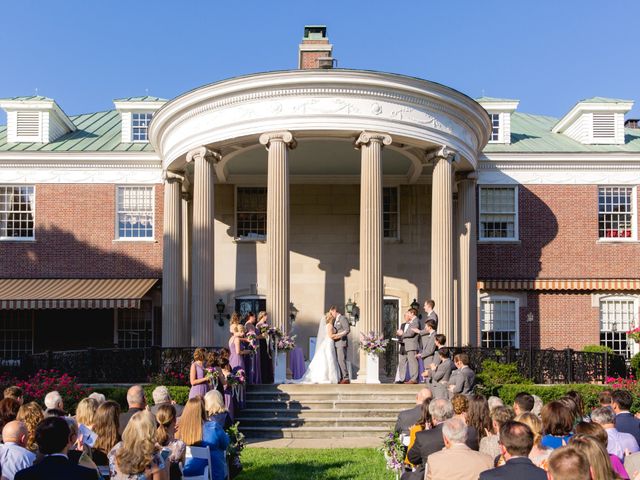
point(408, 418)
point(462, 380)
point(410, 338)
point(443, 371)
point(428, 348)
point(341, 324)
point(432, 316)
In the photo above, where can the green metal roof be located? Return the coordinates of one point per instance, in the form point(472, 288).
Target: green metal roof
point(532, 134)
point(493, 99)
point(96, 132)
point(604, 100)
point(36, 98)
point(145, 98)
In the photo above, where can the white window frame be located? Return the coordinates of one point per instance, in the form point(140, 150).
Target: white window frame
point(634, 215)
point(516, 226)
point(152, 238)
point(498, 298)
point(397, 212)
point(33, 214)
point(633, 346)
point(146, 128)
point(500, 126)
point(238, 238)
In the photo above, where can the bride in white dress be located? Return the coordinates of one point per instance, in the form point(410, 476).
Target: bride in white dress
point(324, 365)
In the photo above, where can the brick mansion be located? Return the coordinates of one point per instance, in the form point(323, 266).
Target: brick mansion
point(290, 191)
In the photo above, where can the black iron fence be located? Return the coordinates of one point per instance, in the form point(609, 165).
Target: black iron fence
point(114, 365)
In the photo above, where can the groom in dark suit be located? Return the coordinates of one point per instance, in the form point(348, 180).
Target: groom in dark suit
point(340, 341)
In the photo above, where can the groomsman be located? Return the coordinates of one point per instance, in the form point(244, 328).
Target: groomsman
point(463, 379)
point(411, 343)
point(439, 376)
point(429, 305)
point(429, 368)
point(428, 340)
point(402, 353)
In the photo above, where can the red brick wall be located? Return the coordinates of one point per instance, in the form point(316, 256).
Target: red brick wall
point(559, 239)
point(74, 237)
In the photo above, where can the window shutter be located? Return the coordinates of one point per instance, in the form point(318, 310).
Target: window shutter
point(28, 124)
point(604, 125)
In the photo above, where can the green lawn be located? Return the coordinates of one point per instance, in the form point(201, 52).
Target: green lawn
point(313, 464)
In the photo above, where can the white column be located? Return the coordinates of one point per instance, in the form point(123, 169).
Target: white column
point(442, 240)
point(202, 247)
point(187, 213)
point(172, 327)
point(278, 144)
point(468, 271)
point(371, 276)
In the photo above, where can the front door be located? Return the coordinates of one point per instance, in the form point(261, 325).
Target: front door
point(389, 360)
point(252, 304)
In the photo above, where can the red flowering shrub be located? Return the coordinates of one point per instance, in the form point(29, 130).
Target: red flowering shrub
point(37, 386)
point(169, 377)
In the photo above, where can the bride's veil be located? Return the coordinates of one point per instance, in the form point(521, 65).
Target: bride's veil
point(322, 330)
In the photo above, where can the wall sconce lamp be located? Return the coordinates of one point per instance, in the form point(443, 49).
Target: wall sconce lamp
point(293, 312)
point(416, 306)
point(220, 306)
point(353, 312)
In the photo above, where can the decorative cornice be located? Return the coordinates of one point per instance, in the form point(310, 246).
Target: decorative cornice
point(282, 136)
point(80, 160)
point(368, 137)
point(203, 153)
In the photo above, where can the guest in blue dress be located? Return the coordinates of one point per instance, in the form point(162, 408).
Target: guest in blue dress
point(199, 384)
point(216, 409)
point(557, 425)
point(196, 431)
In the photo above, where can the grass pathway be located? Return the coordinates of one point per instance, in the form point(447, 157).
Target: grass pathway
point(313, 464)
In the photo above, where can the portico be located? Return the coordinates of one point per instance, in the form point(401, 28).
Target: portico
point(416, 135)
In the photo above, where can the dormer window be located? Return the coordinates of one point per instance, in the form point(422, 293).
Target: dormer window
point(499, 110)
point(495, 127)
point(28, 126)
point(35, 119)
point(140, 126)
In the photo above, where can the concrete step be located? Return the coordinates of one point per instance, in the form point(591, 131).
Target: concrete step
point(281, 422)
point(317, 413)
point(331, 404)
point(333, 388)
point(314, 432)
point(306, 396)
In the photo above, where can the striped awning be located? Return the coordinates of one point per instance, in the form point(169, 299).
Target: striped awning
point(46, 293)
point(593, 284)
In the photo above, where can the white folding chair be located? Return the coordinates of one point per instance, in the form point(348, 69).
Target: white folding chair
point(204, 454)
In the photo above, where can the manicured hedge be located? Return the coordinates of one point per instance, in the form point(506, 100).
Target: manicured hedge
point(119, 394)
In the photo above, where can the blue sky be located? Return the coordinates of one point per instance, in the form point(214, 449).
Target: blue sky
point(548, 54)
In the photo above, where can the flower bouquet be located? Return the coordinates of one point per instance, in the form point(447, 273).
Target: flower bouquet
point(253, 343)
point(237, 378)
point(634, 334)
point(213, 375)
point(373, 344)
point(287, 343)
point(274, 332)
point(393, 451)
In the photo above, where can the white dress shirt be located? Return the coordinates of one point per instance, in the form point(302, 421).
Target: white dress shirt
point(14, 458)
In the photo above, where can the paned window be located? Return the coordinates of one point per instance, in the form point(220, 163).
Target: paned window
point(135, 326)
point(617, 317)
point(498, 213)
point(140, 126)
point(495, 127)
point(135, 212)
point(499, 323)
point(16, 212)
point(616, 212)
point(251, 213)
point(16, 335)
point(390, 212)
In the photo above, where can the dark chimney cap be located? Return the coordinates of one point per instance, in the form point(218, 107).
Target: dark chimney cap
point(315, 32)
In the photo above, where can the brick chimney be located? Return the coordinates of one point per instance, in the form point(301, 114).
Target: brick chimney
point(315, 49)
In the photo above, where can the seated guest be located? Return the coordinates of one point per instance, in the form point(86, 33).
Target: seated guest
point(136, 402)
point(216, 410)
point(478, 420)
point(516, 442)
point(462, 379)
point(13, 454)
point(621, 401)
point(76, 453)
point(441, 374)
point(618, 442)
point(491, 443)
point(54, 439)
point(569, 463)
point(105, 424)
point(460, 405)
point(522, 403)
point(494, 402)
point(98, 397)
point(408, 418)
point(85, 411)
point(596, 431)
point(423, 424)
point(429, 441)
point(161, 396)
point(53, 401)
point(457, 460)
point(14, 392)
point(557, 425)
point(604, 398)
point(9, 408)
point(537, 405)
point(195, 430)
point(137, 457)
point(581, 413)
point(539, 454)
point(31, 415)
point(166, 418)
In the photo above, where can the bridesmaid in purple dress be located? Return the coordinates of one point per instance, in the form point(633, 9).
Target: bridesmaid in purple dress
point(236, 359)
point(229, 401)
point(199, 384)
point(252, 361)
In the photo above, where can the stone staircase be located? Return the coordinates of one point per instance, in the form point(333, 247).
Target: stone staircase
point(323, 411)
